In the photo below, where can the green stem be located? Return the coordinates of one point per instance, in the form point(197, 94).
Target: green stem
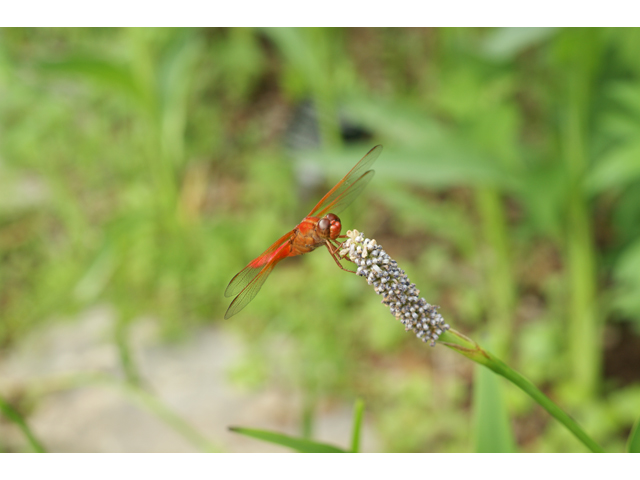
point(358, 412)
point(127, 361)
point(497, 266)
point(308, 414)
point(472, 350)
point(584, 324)
point(13, 415)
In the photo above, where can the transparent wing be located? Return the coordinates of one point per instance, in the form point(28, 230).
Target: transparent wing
point(249, 273)
point(347, 196)
point(347, 189)
point(250, 291)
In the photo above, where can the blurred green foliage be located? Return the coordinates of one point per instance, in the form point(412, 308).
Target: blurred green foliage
point(142, 168)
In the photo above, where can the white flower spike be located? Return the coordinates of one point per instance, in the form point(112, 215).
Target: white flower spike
point(400, 295)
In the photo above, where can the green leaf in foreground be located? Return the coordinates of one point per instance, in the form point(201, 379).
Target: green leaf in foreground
point(493, 432)
point(358, 412)
point(633, 444)
point(300, 444)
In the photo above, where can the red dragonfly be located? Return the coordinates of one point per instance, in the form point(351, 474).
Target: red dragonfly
point(318, 228)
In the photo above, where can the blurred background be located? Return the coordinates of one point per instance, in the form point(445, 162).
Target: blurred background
point(140, 169)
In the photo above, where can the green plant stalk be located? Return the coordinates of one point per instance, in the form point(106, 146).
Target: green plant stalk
point(470, 349)
point(633, 443)
point(125, 353)
point(13, 415)
point(584, 347)
point(492, 428)
point(497, 266)
point(358, 413)
point(308, 415)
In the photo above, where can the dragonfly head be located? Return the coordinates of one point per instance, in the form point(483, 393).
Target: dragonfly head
point(329, 226)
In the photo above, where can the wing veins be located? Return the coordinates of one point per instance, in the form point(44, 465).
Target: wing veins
point(349, 179)
point(250, 291)
point(347, 196)
point(245, 276)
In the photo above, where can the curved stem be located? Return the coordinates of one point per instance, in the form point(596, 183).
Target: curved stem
point(15, 416)
point(470, 349)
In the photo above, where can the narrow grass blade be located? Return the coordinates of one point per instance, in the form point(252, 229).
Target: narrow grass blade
point(633, 444)
point(493, 432)
point(300, 444)
point(358, 413)
point(13, 415)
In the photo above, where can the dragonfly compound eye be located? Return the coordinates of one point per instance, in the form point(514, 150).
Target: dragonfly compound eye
point(336, 226)
point(323, 226)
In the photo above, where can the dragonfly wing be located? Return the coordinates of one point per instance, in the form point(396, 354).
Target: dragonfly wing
point(349, 195)
point(241, 280)
point(339, 197)
point(249, 273)
point(250, 291)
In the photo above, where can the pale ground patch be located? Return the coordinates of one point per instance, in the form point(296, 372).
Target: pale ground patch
point(191, 378)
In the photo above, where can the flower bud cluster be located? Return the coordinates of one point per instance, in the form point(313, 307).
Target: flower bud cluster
point(400, 295)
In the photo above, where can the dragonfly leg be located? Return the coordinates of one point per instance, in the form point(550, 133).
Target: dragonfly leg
point(334, 253)
point(337, 246)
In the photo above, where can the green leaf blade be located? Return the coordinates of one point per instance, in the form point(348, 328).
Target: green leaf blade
point(633, 444)
point(358, 413)
point(300, 444)
point(493, 433)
